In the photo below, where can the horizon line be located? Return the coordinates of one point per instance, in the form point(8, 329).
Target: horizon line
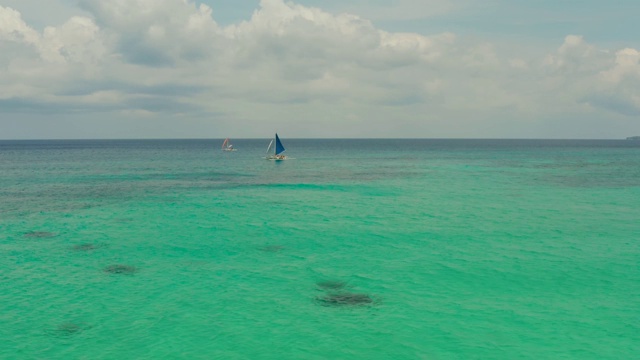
point(313, 138)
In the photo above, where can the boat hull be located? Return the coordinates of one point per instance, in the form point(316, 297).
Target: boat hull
point(276, 158)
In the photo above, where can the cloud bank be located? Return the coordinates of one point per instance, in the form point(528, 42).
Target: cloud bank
point(168, 65)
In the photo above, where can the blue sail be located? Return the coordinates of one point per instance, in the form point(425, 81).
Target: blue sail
point(279, 148)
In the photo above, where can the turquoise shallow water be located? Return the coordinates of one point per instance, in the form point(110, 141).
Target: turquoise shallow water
point(368, 249)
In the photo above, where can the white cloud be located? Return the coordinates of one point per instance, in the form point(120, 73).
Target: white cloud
point(155, 32)
point(627, 66)
point(620, 84)
point(576, 55)
point(302, 68)
point(13, 28)
point(400, 10)
point(74, 41)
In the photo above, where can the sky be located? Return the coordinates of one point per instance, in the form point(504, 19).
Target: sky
point(121, 69)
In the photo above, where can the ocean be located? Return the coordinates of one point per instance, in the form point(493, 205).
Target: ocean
point(353, 249)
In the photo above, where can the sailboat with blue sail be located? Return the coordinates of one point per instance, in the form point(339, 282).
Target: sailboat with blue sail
point(277, 150)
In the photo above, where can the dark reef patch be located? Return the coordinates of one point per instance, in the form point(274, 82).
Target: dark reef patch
point(87, 247)
point(39, 234)
point(120, 269)
point(345, 299)
point(68, 329)
point(271, 248)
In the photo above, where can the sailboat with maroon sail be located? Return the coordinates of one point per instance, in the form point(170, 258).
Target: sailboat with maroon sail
point(226, 145)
